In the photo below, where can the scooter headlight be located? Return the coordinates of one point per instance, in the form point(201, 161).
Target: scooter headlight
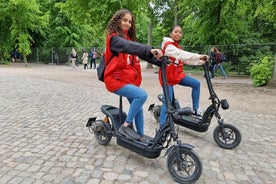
point(224, 104)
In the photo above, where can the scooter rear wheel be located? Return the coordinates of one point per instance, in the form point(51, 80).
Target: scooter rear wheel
point(190, 167)
point(101, 136)
point(228, 138)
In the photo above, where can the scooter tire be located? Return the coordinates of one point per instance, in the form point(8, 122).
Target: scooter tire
point(231, 139)
point(191, 168)
point(101, 136)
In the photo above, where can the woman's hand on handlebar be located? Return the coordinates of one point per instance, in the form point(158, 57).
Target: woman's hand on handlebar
point(157, 53)
point(204, 58)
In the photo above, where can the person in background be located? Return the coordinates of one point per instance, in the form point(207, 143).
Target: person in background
point(174, 71)
point(12, 55)
point(92, 59)
point(84, 59)
point(219, 64)
point(123, 72)
point(213, 61)
point(74, 57)
point(15, 56)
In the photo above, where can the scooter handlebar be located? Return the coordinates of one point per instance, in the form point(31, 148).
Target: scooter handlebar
point(164, 60)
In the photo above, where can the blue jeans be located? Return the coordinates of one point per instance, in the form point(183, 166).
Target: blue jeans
point(221, 69)
point(136, 97)
point(186, 81)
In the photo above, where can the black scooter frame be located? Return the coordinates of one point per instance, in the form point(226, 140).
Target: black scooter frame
point(179, 154)
point(184, 117)
point(152, 146)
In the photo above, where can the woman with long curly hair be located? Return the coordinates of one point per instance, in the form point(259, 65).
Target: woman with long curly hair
point(123, 72)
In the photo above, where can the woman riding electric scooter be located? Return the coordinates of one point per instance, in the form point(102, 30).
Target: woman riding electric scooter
point(123, 76)
point(175, 74)
point(225, 135)
point(183, 163)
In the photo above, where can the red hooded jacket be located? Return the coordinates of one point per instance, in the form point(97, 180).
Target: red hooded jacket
point(174, 71)
point(124, 67)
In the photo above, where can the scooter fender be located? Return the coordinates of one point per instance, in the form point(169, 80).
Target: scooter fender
point(181, 145)
point(90, 121)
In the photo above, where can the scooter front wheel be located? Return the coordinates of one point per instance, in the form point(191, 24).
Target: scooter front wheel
point(228, 138)
point(186, 170)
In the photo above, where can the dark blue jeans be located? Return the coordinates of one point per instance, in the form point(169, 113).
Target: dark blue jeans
point(93, 62)
point(221, 69)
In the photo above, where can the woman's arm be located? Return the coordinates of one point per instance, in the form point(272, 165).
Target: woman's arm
point(187, 57)
point(119, 44)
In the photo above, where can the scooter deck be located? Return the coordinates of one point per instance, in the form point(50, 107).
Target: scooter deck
point(191, 122)
point(143, 148)
point(190, 118)
point(146, 141)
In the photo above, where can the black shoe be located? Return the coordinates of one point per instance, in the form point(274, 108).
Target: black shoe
point(129, 132)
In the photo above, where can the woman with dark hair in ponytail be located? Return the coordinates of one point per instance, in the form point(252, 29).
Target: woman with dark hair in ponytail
point(175, 74)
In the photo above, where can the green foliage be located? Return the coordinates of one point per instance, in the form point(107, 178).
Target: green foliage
point(25, 19)
point(71, 23)
point(4, 62)
point(262, 72)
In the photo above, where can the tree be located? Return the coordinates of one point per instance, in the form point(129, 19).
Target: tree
point(25, 19)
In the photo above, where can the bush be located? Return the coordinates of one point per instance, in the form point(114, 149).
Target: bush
point(262, 72)
point(4, 62)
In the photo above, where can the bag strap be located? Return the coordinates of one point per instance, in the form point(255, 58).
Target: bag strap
point(165, 46)
point(121, 109)
point(109, 60)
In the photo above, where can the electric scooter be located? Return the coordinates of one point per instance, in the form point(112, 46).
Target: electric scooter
point(183, 164)
point(226, 136)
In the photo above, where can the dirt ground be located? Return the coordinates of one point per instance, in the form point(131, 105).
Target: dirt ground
point(239, 92)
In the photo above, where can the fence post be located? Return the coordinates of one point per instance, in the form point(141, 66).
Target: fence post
point(272, 82)
point(52, 55)
point(37, 55)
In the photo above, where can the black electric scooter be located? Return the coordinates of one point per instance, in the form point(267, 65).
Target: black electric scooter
point(183, 164)
point(226, 136)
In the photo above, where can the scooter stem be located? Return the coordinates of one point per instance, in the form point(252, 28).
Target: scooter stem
point(165, 84)
point(170, 109)
point(208, 80)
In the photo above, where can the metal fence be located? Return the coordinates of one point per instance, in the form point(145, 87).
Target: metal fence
point(57, 56)
point(239, 57)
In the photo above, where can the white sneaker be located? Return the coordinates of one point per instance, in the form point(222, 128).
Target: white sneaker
point(196, 113)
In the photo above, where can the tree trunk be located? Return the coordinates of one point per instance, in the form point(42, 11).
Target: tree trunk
point(149, 40)
point(25, 60)
point(176, 14)
point(272, 82)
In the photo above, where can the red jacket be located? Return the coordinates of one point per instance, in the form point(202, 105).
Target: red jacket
point(218, 57)
point(124, 67)
point(174, 71)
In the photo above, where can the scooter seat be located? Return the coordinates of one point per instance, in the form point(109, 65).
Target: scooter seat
point(185, 111)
